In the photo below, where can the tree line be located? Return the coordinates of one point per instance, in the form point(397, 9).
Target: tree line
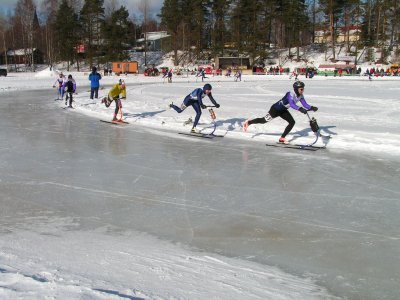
point(206, 28)
point(73, 30)
point(253, 27)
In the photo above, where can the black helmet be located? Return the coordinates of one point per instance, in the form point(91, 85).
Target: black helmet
point(207, 86)
point(298, 84)
point(69, 76)
point(94, 69)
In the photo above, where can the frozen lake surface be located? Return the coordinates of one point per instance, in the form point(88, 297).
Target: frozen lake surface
point(76, 194)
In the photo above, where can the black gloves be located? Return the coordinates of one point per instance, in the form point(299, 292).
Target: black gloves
point(203, 106)
point(302, 109)
point(314, 108)
point(217, 105)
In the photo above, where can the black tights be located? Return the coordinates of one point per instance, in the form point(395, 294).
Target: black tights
point(286, 115)
point(69, 94)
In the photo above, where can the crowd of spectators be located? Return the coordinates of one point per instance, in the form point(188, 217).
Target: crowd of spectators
point(394, 71)
point(308, 72)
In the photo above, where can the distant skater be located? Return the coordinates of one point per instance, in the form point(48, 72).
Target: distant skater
point(201, 74)
point(238, 75)
point(169, 75)
point(194, 99)
point(59, 84)
point(294, 74)
point(281, 109)
point(70, 88)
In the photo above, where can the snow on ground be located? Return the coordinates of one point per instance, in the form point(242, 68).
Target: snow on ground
point(150, 268)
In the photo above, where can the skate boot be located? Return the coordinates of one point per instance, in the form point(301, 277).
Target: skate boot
point(106, 101)
point(245, 125)
point(283, 140)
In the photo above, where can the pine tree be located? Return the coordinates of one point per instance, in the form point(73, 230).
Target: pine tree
point(66, 28)
point(266, 25)
point(91, 18)
point(298, 25)
point(171, 19)
point(117, 32)
point(332, 10)
point(245, 25)
point(194, 24)
point(219, 33)
point(394, 29)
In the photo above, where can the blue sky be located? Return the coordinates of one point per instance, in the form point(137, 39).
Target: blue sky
point(154, 6)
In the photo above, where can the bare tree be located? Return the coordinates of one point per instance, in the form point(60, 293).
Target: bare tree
point(24, 12)
point(110, 7)
point(50, 7)
point(3, 26)
point(143, 7)
point(395, 21)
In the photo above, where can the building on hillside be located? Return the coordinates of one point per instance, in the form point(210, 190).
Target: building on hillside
point(125, 67)
point(234, 63)
point(154, 40)
point(337, 69)
point(22, 56)
point(350, 33)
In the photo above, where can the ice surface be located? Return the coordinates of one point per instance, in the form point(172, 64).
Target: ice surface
point(82, 201)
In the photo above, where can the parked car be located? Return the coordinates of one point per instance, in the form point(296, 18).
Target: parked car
point(3, 72)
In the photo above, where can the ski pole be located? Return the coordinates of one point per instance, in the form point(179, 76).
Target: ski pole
point(119, 108)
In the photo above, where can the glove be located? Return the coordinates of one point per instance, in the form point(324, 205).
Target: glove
point(302, 110)
point(203, 106)
point(217, 105)
point(314, 108)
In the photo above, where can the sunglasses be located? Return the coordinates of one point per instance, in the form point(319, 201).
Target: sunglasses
point(302, 89)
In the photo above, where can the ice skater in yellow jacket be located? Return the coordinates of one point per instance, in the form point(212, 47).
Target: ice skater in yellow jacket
point(116, 93)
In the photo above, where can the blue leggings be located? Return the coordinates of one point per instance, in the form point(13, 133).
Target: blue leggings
point(61, 92)
point(189, 102)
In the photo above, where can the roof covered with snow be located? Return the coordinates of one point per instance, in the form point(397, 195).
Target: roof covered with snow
point(19, 52)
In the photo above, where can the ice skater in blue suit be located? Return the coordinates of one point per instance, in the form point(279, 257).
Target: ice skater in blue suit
point(194, 99)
